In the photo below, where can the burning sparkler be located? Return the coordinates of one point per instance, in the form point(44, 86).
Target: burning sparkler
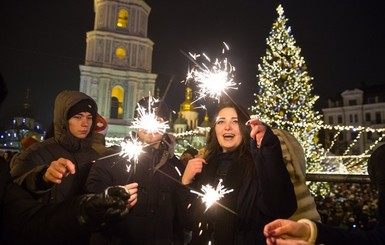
point(211, 195)
point(214, 78)
point(148, 120)
point(131, 148)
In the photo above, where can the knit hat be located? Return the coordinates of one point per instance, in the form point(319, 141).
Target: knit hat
point(159, 107)
point(101, 125)
point(82, 106)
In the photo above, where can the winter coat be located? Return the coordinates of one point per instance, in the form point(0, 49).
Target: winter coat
point(261, 192)
point(295, 162)
point(25, 220)
point(29, 167)
point(156, 217)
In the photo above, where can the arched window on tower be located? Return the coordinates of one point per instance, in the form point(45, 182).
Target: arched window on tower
point(122, 18)
point(117, 98)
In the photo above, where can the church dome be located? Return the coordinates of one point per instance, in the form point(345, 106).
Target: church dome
point(187, 104)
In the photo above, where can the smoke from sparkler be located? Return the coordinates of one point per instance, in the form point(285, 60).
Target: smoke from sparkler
point(211, 195)
point(212, 79)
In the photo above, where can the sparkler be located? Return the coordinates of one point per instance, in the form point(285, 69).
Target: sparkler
point(148, 120)
point(132, 148)
point(211, 195)
point(212, 79)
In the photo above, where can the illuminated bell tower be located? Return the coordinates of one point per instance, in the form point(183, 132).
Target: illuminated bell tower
point(117, 70)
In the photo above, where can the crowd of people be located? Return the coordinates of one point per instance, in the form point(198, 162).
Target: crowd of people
point(63, 191)
point(350, 206)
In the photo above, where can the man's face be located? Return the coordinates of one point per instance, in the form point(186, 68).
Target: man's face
point(80, 124)
point(149, 137)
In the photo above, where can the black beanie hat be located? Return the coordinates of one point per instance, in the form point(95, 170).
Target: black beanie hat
point(82, 106)
point(160, 107)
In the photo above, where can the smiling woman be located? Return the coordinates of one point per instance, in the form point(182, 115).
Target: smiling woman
point(260, 184)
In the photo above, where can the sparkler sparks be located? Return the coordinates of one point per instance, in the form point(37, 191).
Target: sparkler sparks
point(148, 120)
point(211, 195)
point(212, 79)
point(132, 148)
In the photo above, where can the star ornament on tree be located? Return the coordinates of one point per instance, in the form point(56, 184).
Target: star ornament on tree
point(280, 10)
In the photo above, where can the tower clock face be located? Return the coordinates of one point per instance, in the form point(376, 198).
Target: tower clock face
point(120, 52)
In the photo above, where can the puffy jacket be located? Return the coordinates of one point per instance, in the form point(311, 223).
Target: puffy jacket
point(29, 167)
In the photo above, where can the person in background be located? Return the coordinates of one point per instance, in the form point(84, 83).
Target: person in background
point(99, 138)
point(26, 142)
point(188, 154)
point(244, 156)
point(25, 220)
point(305, 231)
point(157, 216)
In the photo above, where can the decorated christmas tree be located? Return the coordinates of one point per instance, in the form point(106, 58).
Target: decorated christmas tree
point(285, 98)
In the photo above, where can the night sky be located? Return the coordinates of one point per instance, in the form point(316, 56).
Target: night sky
point(43, 42)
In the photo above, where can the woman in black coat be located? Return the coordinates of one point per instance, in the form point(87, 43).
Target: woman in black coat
point(248, 162)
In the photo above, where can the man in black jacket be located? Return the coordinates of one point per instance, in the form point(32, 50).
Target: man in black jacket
point(24, 220)
point(155, 219)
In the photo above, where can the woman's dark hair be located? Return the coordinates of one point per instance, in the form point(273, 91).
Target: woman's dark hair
point(212, 145)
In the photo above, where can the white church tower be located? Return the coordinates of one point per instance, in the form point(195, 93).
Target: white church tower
point(117, 70)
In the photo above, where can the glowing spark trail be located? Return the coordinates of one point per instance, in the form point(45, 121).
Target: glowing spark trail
point(211, 195)
point(132, 148)
point(148, 120)
point(212, 79)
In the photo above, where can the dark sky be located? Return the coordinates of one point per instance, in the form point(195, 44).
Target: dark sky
point(42, 44)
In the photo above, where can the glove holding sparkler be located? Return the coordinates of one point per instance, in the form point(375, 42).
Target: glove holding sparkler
point(109, 206)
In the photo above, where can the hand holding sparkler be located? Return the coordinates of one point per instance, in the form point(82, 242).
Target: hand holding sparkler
point(132, 190)
point(194, 166)
point(58, 169)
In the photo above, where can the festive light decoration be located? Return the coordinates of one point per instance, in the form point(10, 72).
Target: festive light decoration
point(285, 90)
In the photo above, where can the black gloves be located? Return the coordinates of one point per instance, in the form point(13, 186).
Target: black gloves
point(104, 208)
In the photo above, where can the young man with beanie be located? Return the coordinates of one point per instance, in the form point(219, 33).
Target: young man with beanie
point(157, 216)
point(26, 220)
point(57, 168)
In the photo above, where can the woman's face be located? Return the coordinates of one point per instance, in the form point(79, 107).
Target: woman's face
point(227, 129)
